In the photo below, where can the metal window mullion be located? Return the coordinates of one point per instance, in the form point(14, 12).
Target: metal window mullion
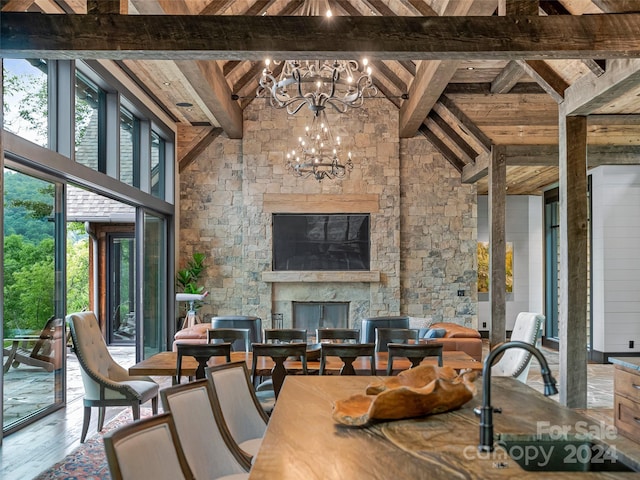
point(61, 107)
point(112, 133)
point(143, 163)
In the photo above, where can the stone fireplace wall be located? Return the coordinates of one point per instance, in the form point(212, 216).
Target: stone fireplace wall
point(422, 232)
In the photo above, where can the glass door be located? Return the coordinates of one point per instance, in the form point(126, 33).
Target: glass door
point(552, 263)
point(153, 285)
point(34, 334)
point(122, 288)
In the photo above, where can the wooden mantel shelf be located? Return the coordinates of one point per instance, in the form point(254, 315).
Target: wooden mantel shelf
point(297, 276)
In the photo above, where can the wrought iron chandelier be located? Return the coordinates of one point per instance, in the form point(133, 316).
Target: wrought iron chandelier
point(318, 153)
point(316, 83)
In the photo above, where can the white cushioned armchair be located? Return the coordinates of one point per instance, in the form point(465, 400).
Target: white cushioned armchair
point(516, 362)
point(106, 383)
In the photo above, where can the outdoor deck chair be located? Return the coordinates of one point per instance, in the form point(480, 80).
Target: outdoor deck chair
point(45, 353)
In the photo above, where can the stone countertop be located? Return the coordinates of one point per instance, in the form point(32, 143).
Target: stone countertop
point(629, 362)
point(303, 441)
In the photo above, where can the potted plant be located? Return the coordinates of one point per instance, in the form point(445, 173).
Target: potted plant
point(187, 280)
point(188, 277)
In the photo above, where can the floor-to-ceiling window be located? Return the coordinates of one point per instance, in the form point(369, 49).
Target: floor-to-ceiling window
point(552, 264)
point(552, 268)
point(66, 126)
point(34, 341)
point(154, 311)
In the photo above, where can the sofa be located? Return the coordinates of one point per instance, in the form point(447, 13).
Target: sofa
point(453, 337)
point(456, 338)
point(198, 332)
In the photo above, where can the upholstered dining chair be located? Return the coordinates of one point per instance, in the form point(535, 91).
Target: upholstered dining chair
point(237, 337)
point(337, 335)
point(233, 392)
point(348, 352)
point(147, 448)
point(202, 352)
point(279, 353)
point(208, 445)
point(414, 352)
point(394, 335)
point(516, 362)
point(106, 383)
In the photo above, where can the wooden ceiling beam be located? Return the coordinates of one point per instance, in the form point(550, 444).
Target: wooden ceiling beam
point(207, 80)
point(15, 5)
point(448, 154)
point(422, 8)
point(507, 78)
point(114, 7)
point(546, 77)
point(548, 156)
point(454, 137)
point(203, 136)
point(518, 7)
point(427, 86)
point(465, 123)
point(472, 172)
point(597, 67)
point(617, 6)
point(587, 94)
point(380, 66)
point(526, 88)
point(216, 37)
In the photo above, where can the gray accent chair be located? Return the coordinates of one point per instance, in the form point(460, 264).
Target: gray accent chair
point(369, 325)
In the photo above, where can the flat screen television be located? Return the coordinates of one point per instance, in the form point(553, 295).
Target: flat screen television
point(337, 241)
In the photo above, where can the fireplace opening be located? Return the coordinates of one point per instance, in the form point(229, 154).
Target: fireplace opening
point(321, 242)
point(313, 315)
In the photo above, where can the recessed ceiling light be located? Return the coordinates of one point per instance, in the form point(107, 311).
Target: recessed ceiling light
point(184, 104)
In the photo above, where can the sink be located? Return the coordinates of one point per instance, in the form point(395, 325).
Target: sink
point(579, 453)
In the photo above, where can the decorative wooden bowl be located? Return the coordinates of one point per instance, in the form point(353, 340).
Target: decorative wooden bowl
point(419, 391)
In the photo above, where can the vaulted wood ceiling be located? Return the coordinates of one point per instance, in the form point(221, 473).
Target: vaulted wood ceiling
point(463, 106)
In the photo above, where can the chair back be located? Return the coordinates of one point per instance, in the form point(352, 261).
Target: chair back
point(394, 335)
point(238, 337)
point(279, 353)
point(254, 324)
point(96, 364)
point(414, 352)
point(515, 362)
point(147, 448)
point(337, 335)
point(233, 391)
point(202, 352)
point(285, 335)
point(203, 433)
point(348, 352)
point(368, 326)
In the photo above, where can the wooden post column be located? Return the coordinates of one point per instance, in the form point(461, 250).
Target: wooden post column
point(497, 243)
point(573, 261)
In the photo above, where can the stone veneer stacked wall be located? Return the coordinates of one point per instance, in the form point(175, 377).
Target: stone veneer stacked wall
point(423, 236)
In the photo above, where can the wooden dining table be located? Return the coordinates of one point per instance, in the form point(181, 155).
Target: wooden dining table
point(164, 364)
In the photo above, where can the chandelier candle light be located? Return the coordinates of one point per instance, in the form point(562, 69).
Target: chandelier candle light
point(316, 83)
point(318, 153)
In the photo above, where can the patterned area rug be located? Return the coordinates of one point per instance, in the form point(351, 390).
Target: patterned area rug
point(88, 461)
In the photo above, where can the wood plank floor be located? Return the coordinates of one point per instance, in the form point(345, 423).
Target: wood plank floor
point(28, 452)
